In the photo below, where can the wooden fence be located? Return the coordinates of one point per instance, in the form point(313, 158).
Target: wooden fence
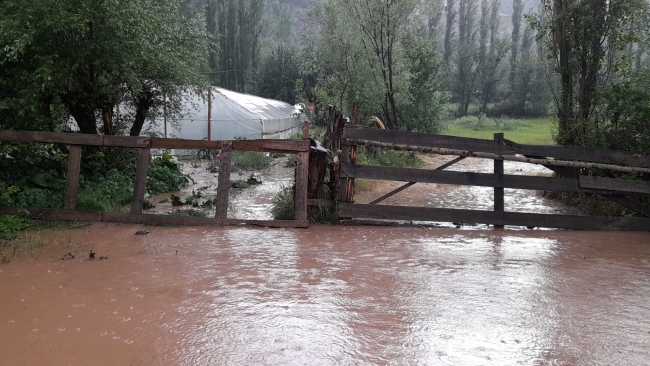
point(143, 146)
point(565, 161)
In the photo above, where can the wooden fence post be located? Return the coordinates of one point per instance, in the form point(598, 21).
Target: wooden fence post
point(223, 189)
point(499, 204)
point(300, 198)
point(140, 183)
point(72, 182)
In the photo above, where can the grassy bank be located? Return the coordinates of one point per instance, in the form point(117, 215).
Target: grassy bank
point(523, 131)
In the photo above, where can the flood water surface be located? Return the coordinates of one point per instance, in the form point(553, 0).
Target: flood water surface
point(327, 296)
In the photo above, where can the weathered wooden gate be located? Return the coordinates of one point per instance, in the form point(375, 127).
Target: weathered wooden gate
point(565, 161)
point(143, 145)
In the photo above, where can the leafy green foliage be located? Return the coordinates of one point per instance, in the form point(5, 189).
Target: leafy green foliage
point(10, 224)
point(283, 205)
point(114, 191)
point(278, 74)
point(375, 156)
point(86, 56)
point(165, 176)
point(250, 160)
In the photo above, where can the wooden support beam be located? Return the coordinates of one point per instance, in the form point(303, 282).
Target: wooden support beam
point(126, 141)
point(409, 184)
point(140, 182)
point(52, 214)
point(554, 184)
point(392, 193)
point(51, 137)
point(494, 218)
point(499, 196)
point(629, 186)
point(72, 181)
point(343, 181)
point(223, 189)
point(450, 163)
point(171, 220)
point(629, 203)
point(300, 199)
point(160, 143)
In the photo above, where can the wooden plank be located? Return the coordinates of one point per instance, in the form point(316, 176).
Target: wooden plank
point(343, 181)
point(392, 193)
point(52, 214)
point(302, 175)
point(51, 137)
point(615, 157)
point(140, 182)
point(398, 190)
point(126, 141)
point(272, 145)
point(493, 218)
point(72, 181)
point(172, 220)
point(629, 203)
point(223, 189)
point(499, 196)
point(160, 143)
point(555, 184)
point(448, 164)
point(629, 186)
point(151, 219)
point(424, 139)
point(460, 178)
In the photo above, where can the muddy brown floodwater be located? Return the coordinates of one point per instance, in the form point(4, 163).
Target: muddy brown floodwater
point(327, 296)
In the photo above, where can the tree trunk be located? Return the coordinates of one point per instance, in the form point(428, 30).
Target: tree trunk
point(107, 118)
point(143, 105)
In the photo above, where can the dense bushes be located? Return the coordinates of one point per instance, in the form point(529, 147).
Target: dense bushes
point(34, 176)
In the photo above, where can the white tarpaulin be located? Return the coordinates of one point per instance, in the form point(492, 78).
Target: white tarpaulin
point(234, 115)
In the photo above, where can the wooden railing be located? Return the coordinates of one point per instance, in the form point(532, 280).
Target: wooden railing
point(144, 146)
point(565, 161)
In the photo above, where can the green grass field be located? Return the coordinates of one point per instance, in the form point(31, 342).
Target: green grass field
point(523, 131)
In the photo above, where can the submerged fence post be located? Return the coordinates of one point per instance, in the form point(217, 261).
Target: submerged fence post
point(499, 204)
point(72, 181)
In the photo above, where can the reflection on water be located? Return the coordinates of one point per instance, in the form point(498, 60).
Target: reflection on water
point(331, 296)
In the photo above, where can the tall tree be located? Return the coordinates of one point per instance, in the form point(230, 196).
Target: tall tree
point(88, 55)
point(490, 70)
point(382, 23)
point(577, 35)
point(466, 58)
point(517, 14)
point(236, 27)
point(451, 13)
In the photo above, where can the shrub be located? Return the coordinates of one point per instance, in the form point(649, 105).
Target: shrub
point(250, 160)
point(109, 194)
point(165, 176)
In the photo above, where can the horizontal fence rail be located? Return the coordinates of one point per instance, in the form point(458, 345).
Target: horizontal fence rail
point(144, 144)
point(585, 154)
point(565, 161)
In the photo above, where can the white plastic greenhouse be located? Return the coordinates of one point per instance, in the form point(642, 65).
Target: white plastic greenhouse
point(227, 115)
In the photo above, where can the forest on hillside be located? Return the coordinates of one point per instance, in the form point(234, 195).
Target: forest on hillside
point(412, 63)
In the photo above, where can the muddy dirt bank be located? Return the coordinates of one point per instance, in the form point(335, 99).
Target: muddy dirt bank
point(327, 296)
